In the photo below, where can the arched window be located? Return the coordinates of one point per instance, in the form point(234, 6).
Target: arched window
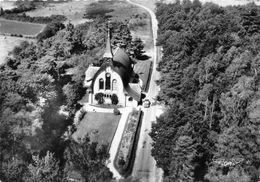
point(114, 84)
point(108, 81)
point(101, 83)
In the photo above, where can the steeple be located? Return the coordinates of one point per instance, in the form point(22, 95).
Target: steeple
point(108, 53)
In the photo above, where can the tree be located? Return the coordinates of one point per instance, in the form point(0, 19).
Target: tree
point(183, 154)
point(1, 11)
point(114, 99)
point(50, 30)
point(100, 98)
point(208, 84)
point(89, 159)
point(13, 170)
point(43, 169)
point(137, 48)
point(73, 92)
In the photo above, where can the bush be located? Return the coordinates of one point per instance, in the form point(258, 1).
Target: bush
point(50, 30)
point(114, 99)
point(121, 162)
point(100, 98)
point(82, 114)
point(116, 111)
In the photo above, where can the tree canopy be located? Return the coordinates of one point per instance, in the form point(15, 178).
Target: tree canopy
point(209, 84)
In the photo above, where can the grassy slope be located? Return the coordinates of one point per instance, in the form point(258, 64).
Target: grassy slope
point(74, 10)
point(7, 44)
point(16, 27)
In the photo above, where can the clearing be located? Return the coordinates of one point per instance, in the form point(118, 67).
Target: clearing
point(7, 4)
point(20, 28)
point(7, 44)
point(100, 127)
point(73, 10)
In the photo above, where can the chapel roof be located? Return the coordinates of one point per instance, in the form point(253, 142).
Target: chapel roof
point(108, 52)
point(121, 57)
point(134, 90)
point(91, 71)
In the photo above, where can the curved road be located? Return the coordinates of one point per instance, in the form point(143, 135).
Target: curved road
point(144, 167)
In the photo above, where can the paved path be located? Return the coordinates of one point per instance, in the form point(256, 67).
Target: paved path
point(116, 141)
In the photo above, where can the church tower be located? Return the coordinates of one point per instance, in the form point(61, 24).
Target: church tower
point(108, 55)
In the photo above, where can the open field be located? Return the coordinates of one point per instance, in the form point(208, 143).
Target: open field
point(74, 11)
point(23, 28)
point(124, 11)
point(7, 5)
point(147, 3)
point(7, 44)
point(101, 127)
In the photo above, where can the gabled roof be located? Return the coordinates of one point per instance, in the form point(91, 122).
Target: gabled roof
point(108, 52)
point(134, 90)
point(91, 71)
point(122, 58)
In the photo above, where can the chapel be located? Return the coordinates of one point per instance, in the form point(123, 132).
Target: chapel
point(115, 76)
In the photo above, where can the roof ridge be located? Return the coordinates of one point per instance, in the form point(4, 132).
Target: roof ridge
point(108, 53)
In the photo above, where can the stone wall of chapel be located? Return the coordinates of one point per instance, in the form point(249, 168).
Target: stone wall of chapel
point(120, 87)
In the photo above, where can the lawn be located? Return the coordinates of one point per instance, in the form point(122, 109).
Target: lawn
point(101, 127)
point(143, 69)
point(23, 28)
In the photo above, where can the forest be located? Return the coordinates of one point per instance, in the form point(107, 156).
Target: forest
point(210, 87)
point(40, 86)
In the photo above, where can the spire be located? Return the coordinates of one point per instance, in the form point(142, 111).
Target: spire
point(108, 53)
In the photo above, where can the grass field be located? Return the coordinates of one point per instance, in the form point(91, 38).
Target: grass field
point(7, 44)
point(23, 28)
point(74, 10)
point(7, 5)
point(101, 127)
point(147, 3)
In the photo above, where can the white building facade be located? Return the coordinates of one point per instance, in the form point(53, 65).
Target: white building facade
point(114, 76)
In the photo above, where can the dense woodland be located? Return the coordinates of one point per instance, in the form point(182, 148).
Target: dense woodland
point(40, 86)
point(210, 87)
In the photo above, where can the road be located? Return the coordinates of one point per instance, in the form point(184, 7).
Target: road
point(145, 166)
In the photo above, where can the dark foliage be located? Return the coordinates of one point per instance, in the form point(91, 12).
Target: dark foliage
point(50, 30)
point(114, 99)
point(209, 81)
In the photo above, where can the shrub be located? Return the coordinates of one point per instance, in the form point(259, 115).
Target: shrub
point(116, 111)
point(82, 114)
point(121, 162)
point(100, 98)
point(50, 30)
point(114, 99)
